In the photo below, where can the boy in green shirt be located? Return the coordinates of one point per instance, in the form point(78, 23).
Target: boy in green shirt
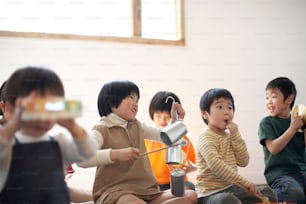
point(283, 144)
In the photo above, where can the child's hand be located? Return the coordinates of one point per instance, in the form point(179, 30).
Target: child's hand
point(126, 154)
point(189, 167)
point(13, 121)
point(296, 122)
point(67, 123)
point(18, 112)
point(177, 112)
point(254, 190)
point(76, 131)
point(233, 128)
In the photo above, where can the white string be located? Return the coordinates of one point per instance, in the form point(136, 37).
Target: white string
point(173, 100)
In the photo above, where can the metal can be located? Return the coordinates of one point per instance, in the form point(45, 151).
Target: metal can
point(174, 155)
point(177, 182)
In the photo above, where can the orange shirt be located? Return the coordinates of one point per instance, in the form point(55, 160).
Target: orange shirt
point(158, 159)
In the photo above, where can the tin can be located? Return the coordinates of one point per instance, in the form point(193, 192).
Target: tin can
point(174, 155)
point(177, 182)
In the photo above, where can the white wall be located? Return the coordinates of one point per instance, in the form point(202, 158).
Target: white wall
point(236, 44)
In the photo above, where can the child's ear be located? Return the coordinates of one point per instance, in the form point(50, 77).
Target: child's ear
point(204, 114)
point(3, 106)
point(290, 99)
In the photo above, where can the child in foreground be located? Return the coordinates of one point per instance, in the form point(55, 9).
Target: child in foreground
point(221, 150)
point(32, 162)
point(123, 175)
point(283, 142)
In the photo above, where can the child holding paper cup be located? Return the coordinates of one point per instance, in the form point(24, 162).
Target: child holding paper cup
point(32, 161)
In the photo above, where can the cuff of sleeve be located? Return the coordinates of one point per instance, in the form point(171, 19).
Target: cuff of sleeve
point(105, 155)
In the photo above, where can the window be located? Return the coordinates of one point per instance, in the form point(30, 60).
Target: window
point(141, 21)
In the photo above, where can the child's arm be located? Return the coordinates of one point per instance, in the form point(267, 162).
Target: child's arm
point(177, 112)
point(277, 145)
point(76, 131)
point(109, 156)
point(239, 145)
point(7, 131)
point(85, 144)
point(207, 148)
point(190, 156)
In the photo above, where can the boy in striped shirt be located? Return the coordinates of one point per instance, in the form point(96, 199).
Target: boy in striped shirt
point(220, 150)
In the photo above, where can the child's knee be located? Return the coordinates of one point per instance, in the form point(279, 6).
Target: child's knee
point(223, 198)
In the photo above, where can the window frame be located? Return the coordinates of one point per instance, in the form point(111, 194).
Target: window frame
point(136, 31)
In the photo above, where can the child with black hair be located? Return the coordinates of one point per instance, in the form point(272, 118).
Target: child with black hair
point(221, 150)
point(32, 162)
point(159, 111)
point(283, 143)
point(123, 175)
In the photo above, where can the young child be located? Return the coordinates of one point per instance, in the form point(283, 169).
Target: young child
point(32, 162)
point(123, 175)
point(220, 150)
point(283, 144)
point(159, 110)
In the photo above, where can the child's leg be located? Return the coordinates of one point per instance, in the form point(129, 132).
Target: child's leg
point(267, 191)
point(80, 195)
point(220, 198)
point(244, 196)
point(288, 189)
point(131, 199)
point(189, 197)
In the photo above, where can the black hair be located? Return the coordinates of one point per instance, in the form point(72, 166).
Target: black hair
point(2, 99)
point(162, 101)
point(27, 79)
point(286, 87)
point(214, 94)
point(112, 93)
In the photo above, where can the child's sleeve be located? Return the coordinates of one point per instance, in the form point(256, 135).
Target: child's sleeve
point(207, 148)
point(151, 133)
point(265, 131)
point(101, 157)
point(240, 151)
point(190, 150)
point(5, 159)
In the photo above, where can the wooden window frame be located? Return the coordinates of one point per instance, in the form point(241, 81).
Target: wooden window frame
point(135, 38)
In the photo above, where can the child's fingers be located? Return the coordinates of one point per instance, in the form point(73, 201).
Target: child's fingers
point(177, 111)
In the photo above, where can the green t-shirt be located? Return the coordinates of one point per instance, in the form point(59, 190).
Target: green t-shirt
point(291, 159)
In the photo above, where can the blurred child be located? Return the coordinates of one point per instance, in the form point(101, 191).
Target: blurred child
point(220, 150)
point(283, 144)
point(159, 110)
point(32, 162)
point(123, 175)
point(77, 195)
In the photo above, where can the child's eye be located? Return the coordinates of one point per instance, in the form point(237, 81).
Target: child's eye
point(219, 107)
point(133, 97)
point(157, 115)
